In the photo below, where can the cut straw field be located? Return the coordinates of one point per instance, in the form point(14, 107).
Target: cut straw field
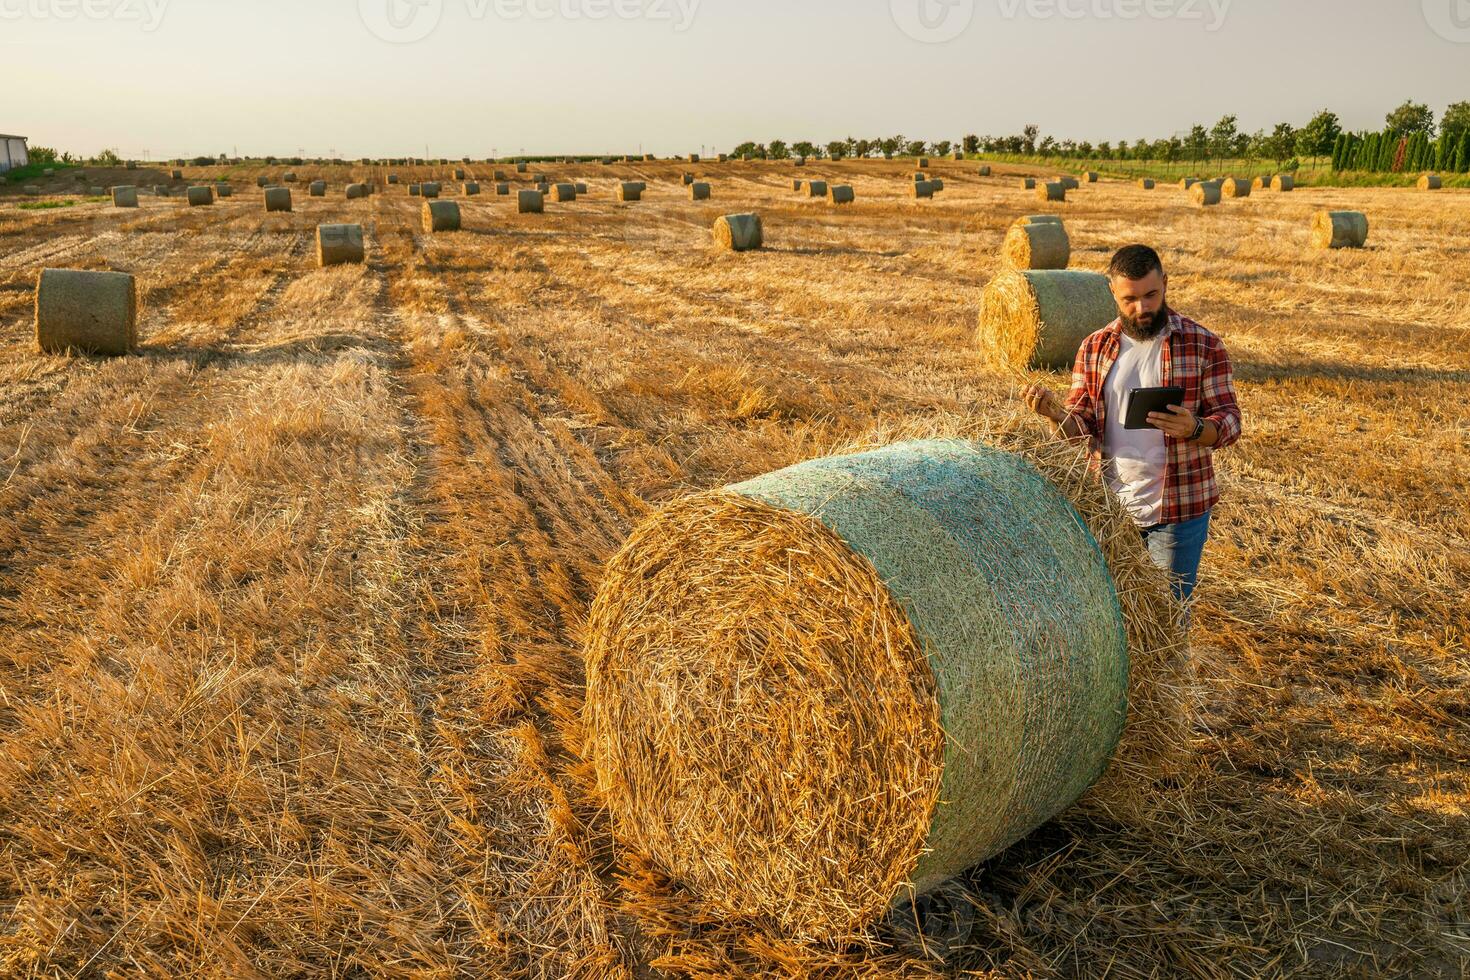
point(292, 602)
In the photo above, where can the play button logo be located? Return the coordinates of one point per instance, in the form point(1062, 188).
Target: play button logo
point(400, 21)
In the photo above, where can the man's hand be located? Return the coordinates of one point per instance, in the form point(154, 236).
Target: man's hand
point(1044, 402)
point(1178, 422)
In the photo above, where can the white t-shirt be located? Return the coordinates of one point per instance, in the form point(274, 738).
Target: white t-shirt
point(1135, 460)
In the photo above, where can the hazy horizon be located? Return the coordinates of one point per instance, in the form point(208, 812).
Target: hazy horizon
point(164, 78)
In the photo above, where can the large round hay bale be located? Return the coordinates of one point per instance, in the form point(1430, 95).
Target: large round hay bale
point(739, 232)
point(563, 193)
point(1087, 177)
point(392, 178)
point(811, 693)
point(278, 199)
point(1430, 182)
point(430, 188)
point(1028, 183)
point(1206, 193)
point(1339, 229)
point(841, 194)
point(797, 185)
point(699, 191)
point(338, 244)
point(441, 216)
point(1044, 245)
point(581, 188)
point(1260, 184)
point(90, 312)
point(1232, 187)
point(124, 197)
point(290, 177)
point(521, 168)
point(530, 202)
point(459, 173)
point(1147, 183)
point(1283, 183)
point(1039, 219)
point(924, 190)
point(200, 196)
point(629, 191)
point(1051, 191)
point(356, 191)
point(415, 190)
point(224, 190)
point(317, 188)
point(985, 171)
point(262, 182)
point(1040, 318)
point(471, 188)
point(816, 188)
point(502, 189)
point(1070, 183)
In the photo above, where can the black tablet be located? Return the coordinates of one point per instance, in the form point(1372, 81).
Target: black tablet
point(1142, 401)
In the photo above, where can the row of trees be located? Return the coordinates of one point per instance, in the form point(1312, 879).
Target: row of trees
point(1388, 152)
point(1412, 124)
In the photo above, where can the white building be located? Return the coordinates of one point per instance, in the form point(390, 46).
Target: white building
point(13, 152)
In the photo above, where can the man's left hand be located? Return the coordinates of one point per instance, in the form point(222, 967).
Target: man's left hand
point(1178, 422)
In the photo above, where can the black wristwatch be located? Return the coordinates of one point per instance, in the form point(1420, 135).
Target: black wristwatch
point(1199, 431)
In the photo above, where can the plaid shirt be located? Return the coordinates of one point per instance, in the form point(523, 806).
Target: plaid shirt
point(1195, 360)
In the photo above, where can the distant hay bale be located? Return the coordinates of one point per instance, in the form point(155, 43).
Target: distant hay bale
point(430, 188)
point(131, 165)
point(694, 158)
point(841, 194)
point(441, 216)
point(629, 191)
point(1087, 177)
point(564, 193)
point(500, 177)
point(924, 190)
point(175, 175)
point(90, 312)
point(338, 245)
point(920, 177)
point(1206, 193)
point(200, 196)
point(278, 199)
point(521, 168)
point(1231, 187)
point(1070, 183)
point(471, 188)
point(1028, 183)
point(530, 202)
point(816, 188)
point(356, 191)
point(1147, 183)
point(1430, 182)
point(1260, 184)
point(688, 179)
point(739, 232)
point(96, 191)
point(502, 189)
point(923, 163)
point(1339, 229)
point(581, 188)
point(1051, 191)
point(1186, 183)
point(224, 190)
point(459, 173)
point(797, 185)
point(160, 190)
point(415, 190)
point(699, 191)
point(807, 692)
point(801, 161)
point(985, 171)
point(938, 183)
point(1044, 245)
point(262, 182)
point(1040, 318)
point(125, 197)
point(392, 178)
point(290, 177)
point(1283, 183)
point(317, 188)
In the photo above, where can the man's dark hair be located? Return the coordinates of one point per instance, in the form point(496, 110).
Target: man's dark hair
point(1135, 262)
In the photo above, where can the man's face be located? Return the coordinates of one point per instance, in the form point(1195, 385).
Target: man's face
point(1141, 303)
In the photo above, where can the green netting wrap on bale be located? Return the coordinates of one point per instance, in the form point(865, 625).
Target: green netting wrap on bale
point(812, 692)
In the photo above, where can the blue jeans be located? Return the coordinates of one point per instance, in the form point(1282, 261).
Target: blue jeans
point(1177, 549)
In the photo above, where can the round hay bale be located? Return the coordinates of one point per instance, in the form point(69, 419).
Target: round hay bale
point(160, 190)
point(816, 188)
point(985, 171)
point(500, 177)
point(920, 177)
point(810, 692)
point(1283, 183)
point(797, 185)
point(1186, 183)
point(938, 183)
point(131, 165)
point(125, 197)
point(924, 190)
point(1028, 183)
point(530, 202)
point(392, 178)
point(629, 191)
point(441, 216)
point(1206, 193)
point(278, 199)
point(224, 190)
point(1339, 229)
point(1040, 318)
point(90, 312)
point(1087, 177)
point(841, 194)
point(459, 173)
point(564, 193)
point(1147, 183)
point(1044, 245)
point(1039, 219)
point(1231, 187)
point(688, 179)
point(290, 177)
point(96, 191)
point(1069, 183)
point(581, 188)
point(356, 191)
point(1051, 191)
point(430, 188)
point(339, 245)
point(502, 189)
point(262, 182)
point(200, 196)
point(317, 188)
point(923, 163)
point(739, 232)
point(1430, 182)
point(175, 175)
point(1260, 184)
point(694, 158)
point(415, 190)
point(521, 168)
point(699, 191)
point(801, 161)
point(471, 188)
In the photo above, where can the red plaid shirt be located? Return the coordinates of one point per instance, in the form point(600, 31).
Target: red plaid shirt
point(1195, 360)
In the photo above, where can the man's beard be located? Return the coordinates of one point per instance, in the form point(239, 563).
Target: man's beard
point(1137, 329)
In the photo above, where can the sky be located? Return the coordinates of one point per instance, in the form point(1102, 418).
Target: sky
point(167, 78)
